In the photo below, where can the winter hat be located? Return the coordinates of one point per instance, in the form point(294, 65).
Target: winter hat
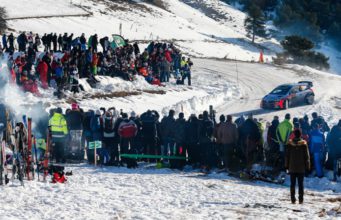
point(287, 116)
point(59, 110)
point(171, 112)
point(74, 106)
point(222, 118)
point(314, 115)
point(133, 114)
point(124, 115)
point(98, 112)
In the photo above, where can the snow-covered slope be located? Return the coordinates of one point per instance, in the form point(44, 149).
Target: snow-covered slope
point(198, 34)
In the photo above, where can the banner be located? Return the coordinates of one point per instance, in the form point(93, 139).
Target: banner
point(118, 41)
point(97, 144)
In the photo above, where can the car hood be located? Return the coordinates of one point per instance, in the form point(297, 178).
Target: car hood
point(272, 97)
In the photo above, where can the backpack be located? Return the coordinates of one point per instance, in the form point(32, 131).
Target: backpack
point(127, 129)
point(108, 125)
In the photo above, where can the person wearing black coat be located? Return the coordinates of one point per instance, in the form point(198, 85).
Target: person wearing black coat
point(11, 42)
point(250, 138)
point(60, 42)
point(65, 41)
point(54, 42)
point(273, 154)
point(44, 40)
point(136, 142)
point(334, 147)
point(192, 139)
point(167, 128)
point(206, 150)
point(49, 41)
point(109, 137)
point(180, 139)
point(320, 122)
point(149, 131)
point(180, 134)
point(136, 48)
point(74, 119)
point(94, 43)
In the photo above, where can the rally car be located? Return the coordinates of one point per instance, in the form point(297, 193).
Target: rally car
point(289, 95)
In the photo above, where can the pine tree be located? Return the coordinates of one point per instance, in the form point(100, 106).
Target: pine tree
point(3, 23)
point(255, 23)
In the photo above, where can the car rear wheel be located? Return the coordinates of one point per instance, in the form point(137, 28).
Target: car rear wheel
point(310, 99)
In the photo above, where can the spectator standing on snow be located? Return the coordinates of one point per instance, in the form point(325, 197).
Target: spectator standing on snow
point(317, 147)
point(283, 132)
point(297, 162)
point(127, 131)
point(4, 42)
point(167, 128)
point(206, 127)
point(60, 42)
point(59, 130)
point(109, 137)
point(250, 138)
point(320, 122)
point(334, 145)
point(228, 136)
point(272, 155)
point(149, 132)
point(54, 42)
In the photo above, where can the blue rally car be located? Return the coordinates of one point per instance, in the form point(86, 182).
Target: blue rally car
point(289, 95)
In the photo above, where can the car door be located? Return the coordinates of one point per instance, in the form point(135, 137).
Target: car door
point(302, 92)
point(293, 96)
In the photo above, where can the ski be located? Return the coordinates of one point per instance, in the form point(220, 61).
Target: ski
point(36, 167)
point(18, 165)
point(47, 155)
point(28, 154)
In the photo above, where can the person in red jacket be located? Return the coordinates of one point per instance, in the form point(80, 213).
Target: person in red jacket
point(42, 69)
point(168, 55)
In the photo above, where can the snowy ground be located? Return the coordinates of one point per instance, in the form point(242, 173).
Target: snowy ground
point(231, 87)
point(149, 193)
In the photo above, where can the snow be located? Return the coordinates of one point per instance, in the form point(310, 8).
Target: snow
point(232, 87)
point(44, 8)
point(199, 34)
point(149, 193)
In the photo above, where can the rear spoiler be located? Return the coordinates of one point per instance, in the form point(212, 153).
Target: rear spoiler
point(309, 83)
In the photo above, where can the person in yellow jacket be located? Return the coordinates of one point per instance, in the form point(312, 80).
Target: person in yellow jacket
point(283, 132)
point(183, 62)
point(59, 131)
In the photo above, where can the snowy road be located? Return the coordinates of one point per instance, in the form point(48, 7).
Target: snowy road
point(256, 80)
point(144, 193)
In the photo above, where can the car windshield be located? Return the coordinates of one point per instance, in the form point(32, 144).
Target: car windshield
point(281, 90)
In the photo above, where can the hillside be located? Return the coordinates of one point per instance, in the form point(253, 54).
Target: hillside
point(189, 27)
